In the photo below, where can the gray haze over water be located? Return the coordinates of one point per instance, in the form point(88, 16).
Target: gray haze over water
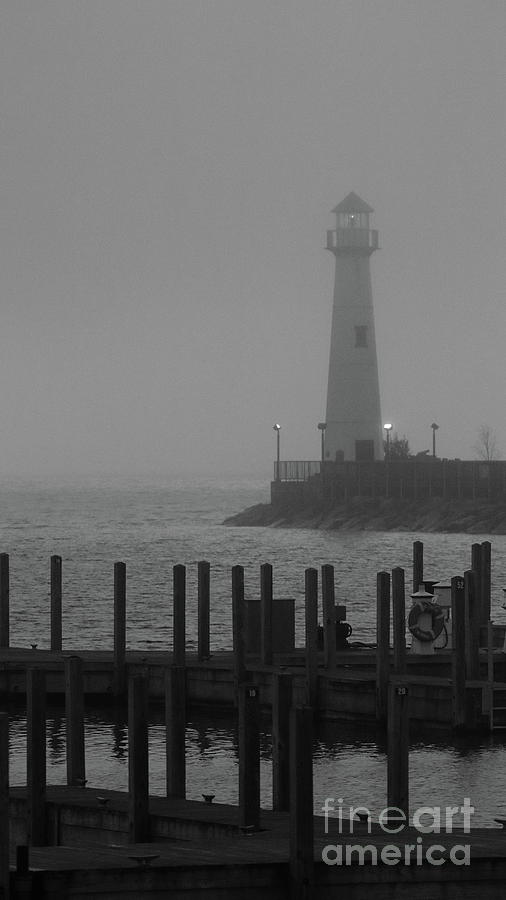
point(168, 171)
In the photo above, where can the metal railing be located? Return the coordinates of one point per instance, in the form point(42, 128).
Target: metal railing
point(296, 469)
point(344, 238)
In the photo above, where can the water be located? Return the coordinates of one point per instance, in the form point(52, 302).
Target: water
point(151, 526)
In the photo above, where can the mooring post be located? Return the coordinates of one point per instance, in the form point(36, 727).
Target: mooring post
point(119, 676)
point(490, 651)
point(266, 614)
point(399, 620)
point(281, 705)
point(301, 804)
point(398, 746)
point(4, 599)
point(311, 615)
point(175, 731)
point(74, 715)
point(179, 620)
point(4, 806)
point(36, 756)
point(56, 602)
point(458, 651)
point(488, 693)
point(472, 630)
point(329, 617)
point(238, 628)
point(417, 565)
point(477, 568)
point(203, 609)
point(138, 765)
point(382, 644)
point(485, 586)
point(249, 757)
point(472, 635)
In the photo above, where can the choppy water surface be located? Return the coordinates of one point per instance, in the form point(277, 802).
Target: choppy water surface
point(151, 527)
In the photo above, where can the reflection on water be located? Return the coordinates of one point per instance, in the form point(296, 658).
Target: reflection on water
point(153, 526)
point(349, 761)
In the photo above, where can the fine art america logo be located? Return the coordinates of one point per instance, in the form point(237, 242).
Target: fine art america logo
point(393, 821)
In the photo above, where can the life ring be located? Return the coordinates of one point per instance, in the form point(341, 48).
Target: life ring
point(437, 624)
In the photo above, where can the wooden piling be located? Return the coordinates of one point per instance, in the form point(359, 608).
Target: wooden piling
point(399, 620)
point(203, 610)
point(249, 757)
point(36, 757)
point(329, 617)
point(311, 616)
point(485, 586)
point(74, 715)
point(22, 863)
point(119, 677)
point(138, 766)
point(266, 614)
point(4, 807)
point(477, 568)
point(281, 705)
point(4, 599)
point(238, 626)
point(56, 602)
point(175, 731)
point(383, 644)
point(488, 694)
point(417, 565)
point(472, 628)
point(474, 699)
point(398, 746)
point(301, 804)
point(179, 620)
point(458, 652)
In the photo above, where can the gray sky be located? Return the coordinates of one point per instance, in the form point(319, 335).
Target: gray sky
point(168, 170)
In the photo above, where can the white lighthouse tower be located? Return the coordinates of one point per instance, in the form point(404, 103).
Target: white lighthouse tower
point(354, 428)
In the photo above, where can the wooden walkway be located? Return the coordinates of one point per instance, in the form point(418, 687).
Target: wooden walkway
point(347, 690)
point(217, 860)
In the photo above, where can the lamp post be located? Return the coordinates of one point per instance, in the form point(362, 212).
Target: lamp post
point(277, 429)
point(321, 427)
point(388, 427)
point(434, 429)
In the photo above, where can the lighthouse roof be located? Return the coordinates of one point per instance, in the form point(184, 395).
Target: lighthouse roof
point(353, 203)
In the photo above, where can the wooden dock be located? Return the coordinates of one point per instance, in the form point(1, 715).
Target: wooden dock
point(197, 850)
point(347, 690)
point(461, 687)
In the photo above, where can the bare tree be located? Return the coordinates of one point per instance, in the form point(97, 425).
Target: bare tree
point(396, 447)
point(486, 445)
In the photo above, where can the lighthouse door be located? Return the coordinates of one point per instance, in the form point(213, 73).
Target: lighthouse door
point(364, 451)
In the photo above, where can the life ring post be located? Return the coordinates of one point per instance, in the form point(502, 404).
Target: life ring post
point(425, 622)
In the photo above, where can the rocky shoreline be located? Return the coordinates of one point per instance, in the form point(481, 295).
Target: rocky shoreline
point(359, 514)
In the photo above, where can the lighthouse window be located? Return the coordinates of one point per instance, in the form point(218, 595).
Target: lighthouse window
point(360, 335)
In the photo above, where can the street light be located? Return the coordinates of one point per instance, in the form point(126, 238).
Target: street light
point(434, 429)
point(322, 426)
point(277, 429)
point(388, 427)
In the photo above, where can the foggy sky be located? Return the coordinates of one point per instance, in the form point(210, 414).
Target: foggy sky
point(167, 174)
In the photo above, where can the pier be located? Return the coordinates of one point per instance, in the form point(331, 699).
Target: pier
point(78, 840)
point(461, 687)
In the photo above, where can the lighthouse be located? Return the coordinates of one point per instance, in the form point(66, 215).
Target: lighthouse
point(353, 420)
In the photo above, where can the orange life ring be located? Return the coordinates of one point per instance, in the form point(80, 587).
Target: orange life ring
point(437, 620)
